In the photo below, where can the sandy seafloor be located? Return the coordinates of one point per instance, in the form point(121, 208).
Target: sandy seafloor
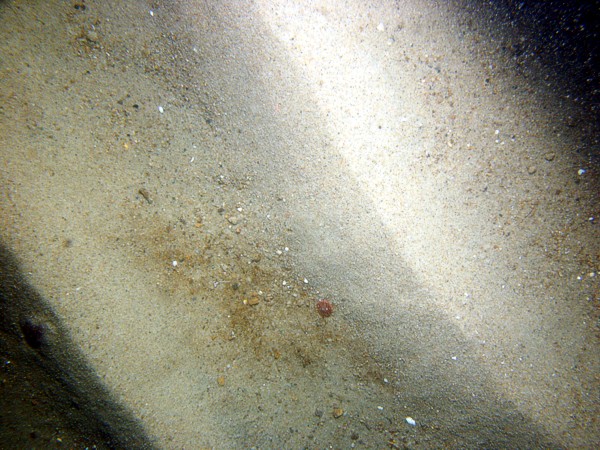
point(182, 181)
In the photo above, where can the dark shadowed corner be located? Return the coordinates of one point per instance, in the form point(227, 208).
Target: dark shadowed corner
point(50, 397)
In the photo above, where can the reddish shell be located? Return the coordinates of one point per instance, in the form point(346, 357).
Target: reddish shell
point(324, 308)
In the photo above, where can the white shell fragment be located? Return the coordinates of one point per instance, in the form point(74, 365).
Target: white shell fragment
point(411, 421)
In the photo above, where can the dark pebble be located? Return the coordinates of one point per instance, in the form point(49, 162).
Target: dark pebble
point(35, 334)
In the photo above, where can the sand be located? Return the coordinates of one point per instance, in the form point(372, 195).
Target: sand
point(182, 182)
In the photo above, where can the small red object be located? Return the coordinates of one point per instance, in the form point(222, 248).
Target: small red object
point(324, 308)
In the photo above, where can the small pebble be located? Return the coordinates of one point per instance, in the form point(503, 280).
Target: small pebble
point(531, 170)
point(338, 412)
point(92, 36)
point(144, 193)
point(411, 421)
point(550, 156)
point(253, 301)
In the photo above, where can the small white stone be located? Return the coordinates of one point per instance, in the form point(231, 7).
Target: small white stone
point(305, 281)
point(411, 421)
point(381, 26)
point(380, 408)
point(581, 171)
point(161, 109)
point(174, 263)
